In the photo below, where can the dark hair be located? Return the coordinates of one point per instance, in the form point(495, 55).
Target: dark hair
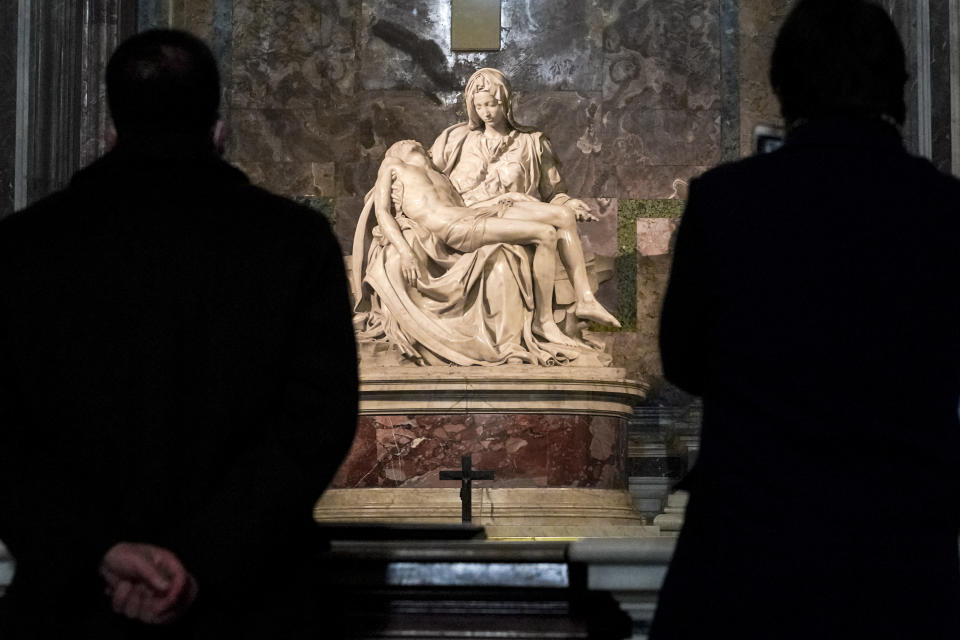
point(839, 57)
point(163, 81)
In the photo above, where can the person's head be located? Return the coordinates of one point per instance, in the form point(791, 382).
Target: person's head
point(839, 57)
point(163, 83)
point(406, 150)
point(490, 88)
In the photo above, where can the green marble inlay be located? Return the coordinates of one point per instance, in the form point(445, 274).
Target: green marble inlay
point(650, 208)
point(321, 204)
point(628, 211)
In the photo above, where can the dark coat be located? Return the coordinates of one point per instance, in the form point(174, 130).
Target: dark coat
point(178, 367)
point(814, 304)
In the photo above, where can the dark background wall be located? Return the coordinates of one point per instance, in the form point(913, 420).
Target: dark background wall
point(637, 96)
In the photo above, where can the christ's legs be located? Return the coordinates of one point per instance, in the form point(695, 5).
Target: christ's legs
point(544, 237)
point(571, 253)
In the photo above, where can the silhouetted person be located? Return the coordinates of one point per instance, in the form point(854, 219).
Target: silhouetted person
point(177, 376)
point(813, 304)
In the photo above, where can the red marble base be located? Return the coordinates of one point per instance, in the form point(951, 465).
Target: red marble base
point(523, 450)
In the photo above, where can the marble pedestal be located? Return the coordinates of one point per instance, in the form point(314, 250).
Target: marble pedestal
point(556, 439)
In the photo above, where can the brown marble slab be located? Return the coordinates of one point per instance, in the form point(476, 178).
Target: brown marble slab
point(638, 136)
point(523, 450)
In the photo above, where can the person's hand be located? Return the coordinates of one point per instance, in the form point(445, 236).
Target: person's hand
point(581, 209)
point(410, 268)
point(147, 583)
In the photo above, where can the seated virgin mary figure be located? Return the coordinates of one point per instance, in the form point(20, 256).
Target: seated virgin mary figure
point(492, 153)
point(423, 285)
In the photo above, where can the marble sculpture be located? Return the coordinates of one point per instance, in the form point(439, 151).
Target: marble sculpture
point(455, 252)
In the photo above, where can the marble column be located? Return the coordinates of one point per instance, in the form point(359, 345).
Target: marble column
point(942, 87)
point(63, 46)
point(50, 119)
point(730, 78)
point(105, 24)
point(8, 104)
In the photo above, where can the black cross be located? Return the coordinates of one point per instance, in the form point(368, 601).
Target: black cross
point(466, 476)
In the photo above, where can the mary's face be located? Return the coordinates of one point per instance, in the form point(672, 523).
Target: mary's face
point(489, 109)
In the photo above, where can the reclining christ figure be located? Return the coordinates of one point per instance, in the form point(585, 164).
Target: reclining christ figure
point(427, 196)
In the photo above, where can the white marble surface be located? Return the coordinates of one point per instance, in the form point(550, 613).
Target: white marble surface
point(513, 389)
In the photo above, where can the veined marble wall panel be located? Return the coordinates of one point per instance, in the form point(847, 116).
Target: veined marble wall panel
point(380, 118)
point(661, 96)
point(406, 45)
point(278, 135)
point(289, 178)
point(663, 53)
point(628, 91)
point(551, 44)
point(600, 236)
point(580, 71)
point(197, 17)
point(652, 275)
point(294, 54)
point(355, 136)
point(545, 44)
point(105, 24)
point(574, 123)
point(760, 21)
point(333, 150)
point(664, 137)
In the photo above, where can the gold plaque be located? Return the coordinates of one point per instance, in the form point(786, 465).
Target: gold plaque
point(475, 25)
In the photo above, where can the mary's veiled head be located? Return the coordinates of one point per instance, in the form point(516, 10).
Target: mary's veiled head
point(491, 81)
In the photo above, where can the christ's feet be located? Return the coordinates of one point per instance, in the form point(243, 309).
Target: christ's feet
point(593, 310)
point(550, 332)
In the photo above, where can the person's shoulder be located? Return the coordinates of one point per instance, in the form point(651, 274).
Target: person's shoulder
point(922, 169)
point(37, 218)
point(285, 210)
point(268, 218)
point(733, 172)
point(935, 192)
